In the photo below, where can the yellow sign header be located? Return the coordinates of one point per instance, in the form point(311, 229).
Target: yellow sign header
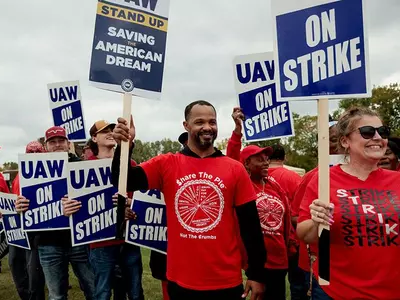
point(132, 16)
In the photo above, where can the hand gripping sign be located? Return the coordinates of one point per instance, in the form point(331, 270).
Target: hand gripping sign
point(90, 183)
point(43, 180)
point(149, 229)
point(65, 104)
point(11, 222)
point(265, 118)
point(321, 51)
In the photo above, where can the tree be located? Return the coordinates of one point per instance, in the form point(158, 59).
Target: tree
point(222, 144)
point(10, 166)
point(302, 149)
point(170, 146)
point(146, 150)
point(385, 100)
point(268, 143)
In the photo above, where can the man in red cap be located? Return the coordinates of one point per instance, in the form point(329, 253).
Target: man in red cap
point(116, 264)
point(87, 150)
point(55, 248)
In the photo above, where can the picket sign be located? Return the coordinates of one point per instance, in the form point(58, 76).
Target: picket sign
point(321, 53)
point(123, 167)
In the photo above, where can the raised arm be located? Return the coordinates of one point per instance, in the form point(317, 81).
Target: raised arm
point(137, 178)
point(235, 142)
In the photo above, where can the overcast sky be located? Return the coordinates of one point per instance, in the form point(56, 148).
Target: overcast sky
point(50, 41)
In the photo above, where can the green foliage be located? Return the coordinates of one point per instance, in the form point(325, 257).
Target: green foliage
point(302, 149)
point(385, 100)
point(267, 143)
point(10, 166)
point(145, 150)
point(221, 145)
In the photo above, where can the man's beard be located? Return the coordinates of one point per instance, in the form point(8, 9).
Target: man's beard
point(204, 144)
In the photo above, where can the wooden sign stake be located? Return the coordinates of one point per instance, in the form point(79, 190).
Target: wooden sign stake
point(323, 190)
point(123, 168)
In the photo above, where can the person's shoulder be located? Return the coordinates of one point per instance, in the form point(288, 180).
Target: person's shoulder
point(310, 174)
point(389, 173)
point(170, 155)
point(278, 171)
point(162, 157)
point(292, 173)
point(275, 184)
point(230, 161)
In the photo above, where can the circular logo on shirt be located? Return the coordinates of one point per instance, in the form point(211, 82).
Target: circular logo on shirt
point(271, 212)
point(199, 205)
point(127, 85)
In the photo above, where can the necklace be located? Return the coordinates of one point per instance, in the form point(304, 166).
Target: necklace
point(258, 188)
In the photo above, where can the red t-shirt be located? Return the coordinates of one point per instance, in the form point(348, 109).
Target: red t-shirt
point(200, 196)
point(274, 213)
point(304, 260)
point(287, 179)
point(15, 185)
point(364, 250)
point(110, 242)
point(3, 185)
point(234, 146)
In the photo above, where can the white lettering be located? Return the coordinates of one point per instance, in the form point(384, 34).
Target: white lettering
point(292, 83)
point(390, 229)
point(368, 208)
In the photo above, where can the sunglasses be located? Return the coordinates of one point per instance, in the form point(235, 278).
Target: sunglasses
point(368, 132)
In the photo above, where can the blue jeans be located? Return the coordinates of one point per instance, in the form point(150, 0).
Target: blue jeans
point(104, 261)
point(55, 260)
point(298, 290)
point(317, 293)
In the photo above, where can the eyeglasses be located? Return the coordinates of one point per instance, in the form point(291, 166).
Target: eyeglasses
point(368, 132)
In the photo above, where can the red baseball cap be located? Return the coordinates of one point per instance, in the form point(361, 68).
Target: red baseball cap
point(55, 131)
point(34, 147)
point(254, 150)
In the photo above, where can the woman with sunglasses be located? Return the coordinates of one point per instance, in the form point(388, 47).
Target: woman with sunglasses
point(273, 209)
point(363, 213)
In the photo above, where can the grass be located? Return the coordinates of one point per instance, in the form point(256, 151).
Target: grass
point(151, 286)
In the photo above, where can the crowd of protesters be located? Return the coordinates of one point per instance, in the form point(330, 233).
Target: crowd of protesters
point(227, 213)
